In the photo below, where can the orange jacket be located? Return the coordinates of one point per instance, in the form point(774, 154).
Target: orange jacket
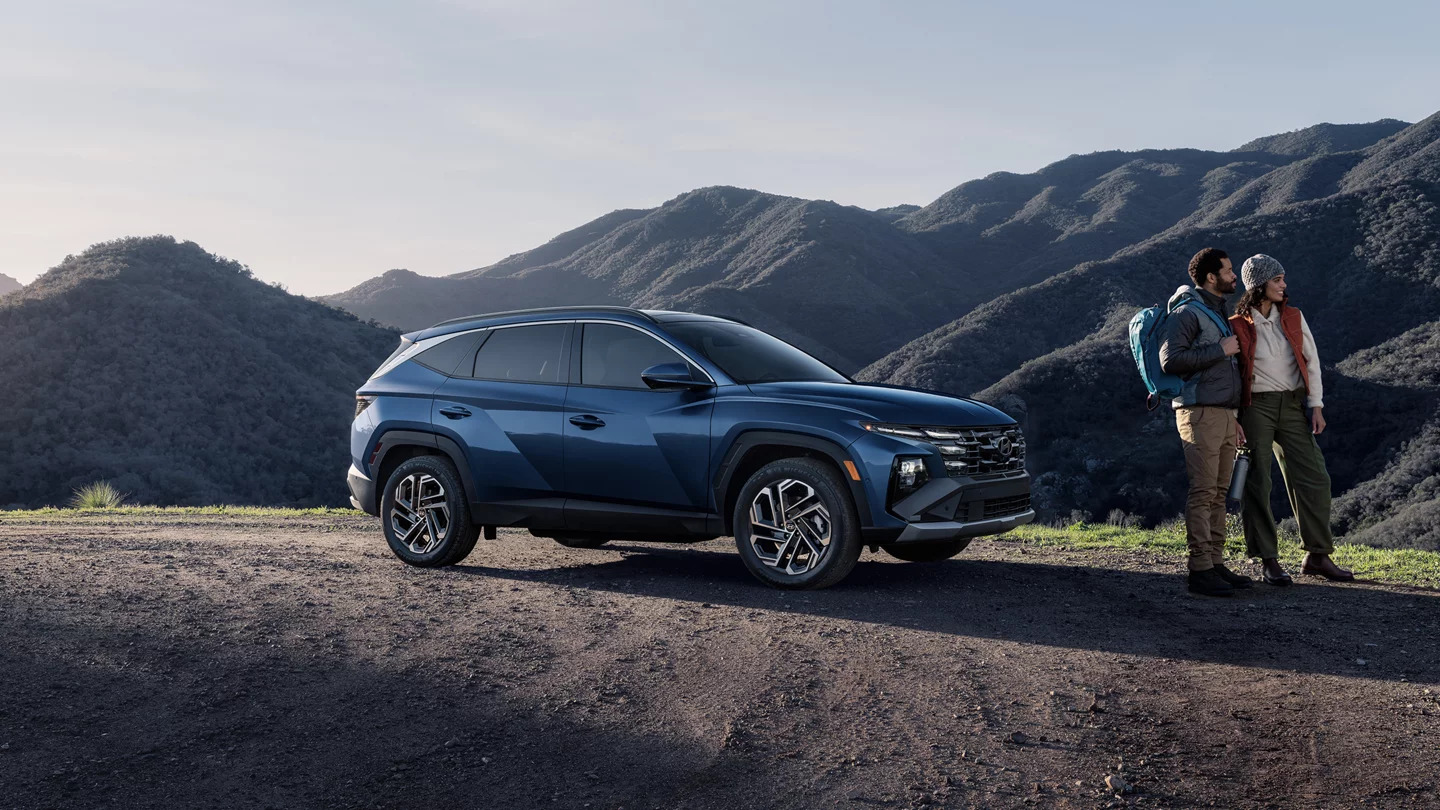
point(1244, 329)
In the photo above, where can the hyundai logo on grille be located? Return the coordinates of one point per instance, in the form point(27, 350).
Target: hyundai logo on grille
point(1005, 446)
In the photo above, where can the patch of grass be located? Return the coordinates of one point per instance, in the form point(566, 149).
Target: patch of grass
point(99, 495)
point(1400, 566)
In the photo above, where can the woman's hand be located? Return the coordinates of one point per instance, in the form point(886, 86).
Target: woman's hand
point(1317, 421)
point(1239, 434)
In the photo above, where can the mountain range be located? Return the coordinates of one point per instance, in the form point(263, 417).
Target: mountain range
point(1018, 287)
point(1015, 288)
point(8, 284)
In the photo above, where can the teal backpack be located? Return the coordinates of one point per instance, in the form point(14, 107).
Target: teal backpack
point(1146, 329)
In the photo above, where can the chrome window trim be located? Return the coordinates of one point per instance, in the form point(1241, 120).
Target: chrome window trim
point(420, 346)
point(643, 331)
point(428, 342)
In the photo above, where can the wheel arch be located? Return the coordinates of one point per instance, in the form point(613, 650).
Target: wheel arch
point(755, 448)
point(398, 446)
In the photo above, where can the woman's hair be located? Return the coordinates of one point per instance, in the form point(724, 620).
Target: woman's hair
point(1252, 298)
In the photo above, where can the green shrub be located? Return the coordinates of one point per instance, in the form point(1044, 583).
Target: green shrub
point(99, 495)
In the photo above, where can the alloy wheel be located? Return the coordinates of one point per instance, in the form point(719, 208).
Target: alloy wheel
point(789, 526)
point(420, 517)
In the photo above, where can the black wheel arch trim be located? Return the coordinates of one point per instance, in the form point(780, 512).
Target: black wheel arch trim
point(749, 440)
point(390, 440)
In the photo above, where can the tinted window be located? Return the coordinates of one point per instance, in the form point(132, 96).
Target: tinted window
point(522, 354)
point(614, 356)
point(446, 356)
point(751, 356)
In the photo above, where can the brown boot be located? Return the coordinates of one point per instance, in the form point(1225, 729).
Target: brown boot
point(1321, 565)
point(1274, 573)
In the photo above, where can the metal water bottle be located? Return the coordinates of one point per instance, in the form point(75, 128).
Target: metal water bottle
point(1235, 497)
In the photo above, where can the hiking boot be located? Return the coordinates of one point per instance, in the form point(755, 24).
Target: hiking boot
point(1320, 565)
point(1209, 583)
point(1275, 573)
point(1237, 581)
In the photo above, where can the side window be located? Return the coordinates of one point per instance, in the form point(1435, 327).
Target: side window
point(614, 356)
point(447, 355)
point(522, 354)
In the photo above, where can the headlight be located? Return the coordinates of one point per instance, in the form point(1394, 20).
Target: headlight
point(894, 430)
point(907, 474)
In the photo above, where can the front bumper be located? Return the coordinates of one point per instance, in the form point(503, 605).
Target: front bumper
point(951, 529)
point(362, 491)
point(948, 508)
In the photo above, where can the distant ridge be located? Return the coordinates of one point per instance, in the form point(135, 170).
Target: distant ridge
point(8, 284)
point(884, 276)
point(1324, 139)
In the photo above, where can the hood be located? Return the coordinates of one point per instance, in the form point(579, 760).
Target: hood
point(891, 404)
point(1183, 294)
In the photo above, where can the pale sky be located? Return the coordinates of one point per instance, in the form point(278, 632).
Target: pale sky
point(322, 143)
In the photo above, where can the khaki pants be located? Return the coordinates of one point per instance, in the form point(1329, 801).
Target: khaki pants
point(1277, 425)
point(1208, 436)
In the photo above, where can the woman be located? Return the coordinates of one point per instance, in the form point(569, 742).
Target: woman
point(1282, 413)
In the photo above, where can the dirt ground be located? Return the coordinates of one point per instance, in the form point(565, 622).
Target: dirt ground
point(293, 662)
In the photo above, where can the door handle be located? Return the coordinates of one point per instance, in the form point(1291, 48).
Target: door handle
point(455, 412)
point(587, 422)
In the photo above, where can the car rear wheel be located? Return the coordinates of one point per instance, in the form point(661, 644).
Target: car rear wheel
point(424, 514)
point(933, 551)
point(795, 525)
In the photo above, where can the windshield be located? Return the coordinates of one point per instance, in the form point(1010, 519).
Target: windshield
point(748, 355)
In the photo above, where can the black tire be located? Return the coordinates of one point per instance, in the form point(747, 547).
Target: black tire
point(457, 536)
point(838, 556)
point(933, 551)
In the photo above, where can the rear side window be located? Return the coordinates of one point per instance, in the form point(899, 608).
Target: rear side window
point(446, 356)
point(614, 356)
point(522, 354)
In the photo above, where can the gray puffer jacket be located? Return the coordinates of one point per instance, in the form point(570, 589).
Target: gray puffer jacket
point(1190, 349)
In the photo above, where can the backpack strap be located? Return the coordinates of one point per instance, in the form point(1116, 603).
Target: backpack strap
point(1218, 319)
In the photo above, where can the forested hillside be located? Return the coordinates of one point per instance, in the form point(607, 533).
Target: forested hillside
point(178, 377)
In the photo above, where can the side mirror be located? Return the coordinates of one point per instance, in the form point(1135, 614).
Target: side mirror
point(672, 376)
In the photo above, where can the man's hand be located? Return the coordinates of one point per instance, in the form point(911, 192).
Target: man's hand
point(1231, 345)
point(1317, 421)
point(1239, 435)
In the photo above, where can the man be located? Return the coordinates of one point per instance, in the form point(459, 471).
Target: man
point(1199, 347)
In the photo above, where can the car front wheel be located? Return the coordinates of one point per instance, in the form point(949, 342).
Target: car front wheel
point(795, 525)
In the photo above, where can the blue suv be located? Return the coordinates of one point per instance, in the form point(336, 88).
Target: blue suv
point(591, 424)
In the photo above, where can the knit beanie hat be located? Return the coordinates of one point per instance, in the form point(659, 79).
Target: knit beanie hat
point(1259, 269)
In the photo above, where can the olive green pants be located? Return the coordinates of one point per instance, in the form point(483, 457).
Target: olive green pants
point(1277, 425)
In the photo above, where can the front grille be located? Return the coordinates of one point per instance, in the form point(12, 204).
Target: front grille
point(1002, 507)
point(995, 452)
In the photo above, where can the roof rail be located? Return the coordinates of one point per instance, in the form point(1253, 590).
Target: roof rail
point(543, 310)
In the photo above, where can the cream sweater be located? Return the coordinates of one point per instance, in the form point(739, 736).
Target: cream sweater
point(1275, 368)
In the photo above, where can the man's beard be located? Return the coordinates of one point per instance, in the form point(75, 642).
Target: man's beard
point(1224, 287)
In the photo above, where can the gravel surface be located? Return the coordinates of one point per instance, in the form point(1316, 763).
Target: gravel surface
point(187, 661)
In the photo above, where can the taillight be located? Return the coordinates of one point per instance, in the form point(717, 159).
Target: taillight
point(362, 402)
